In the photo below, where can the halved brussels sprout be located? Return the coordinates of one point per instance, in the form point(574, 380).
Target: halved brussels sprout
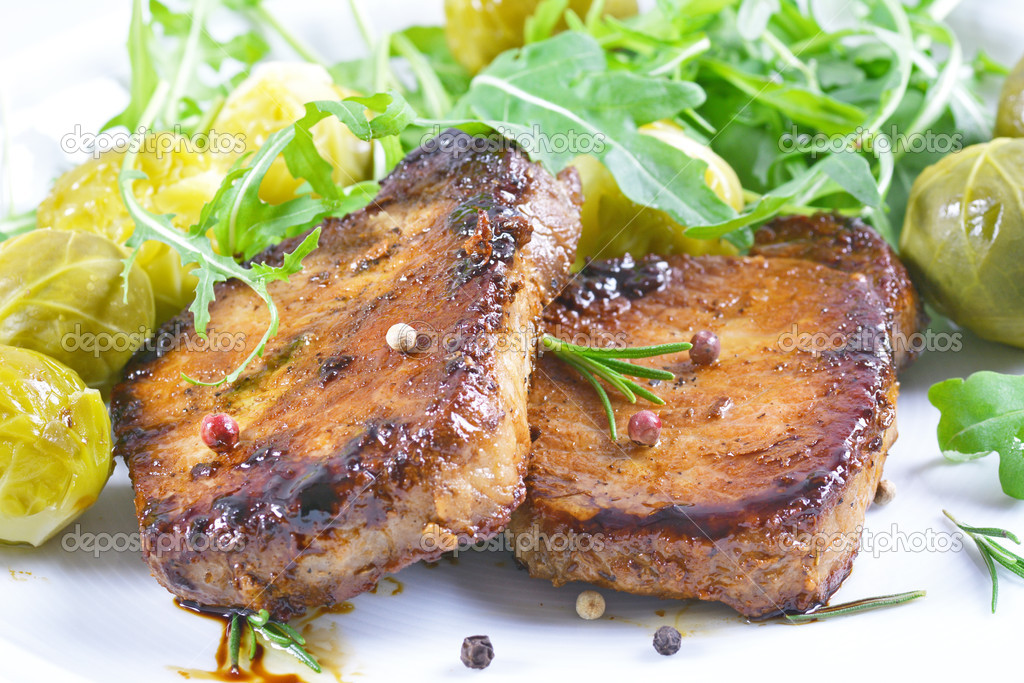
point(1010, 117)
point(61, 294)
point(275, 96)
point(480, 30)
point(614, 225)
point(54, 446)
point(179, 181)
point(963, 237)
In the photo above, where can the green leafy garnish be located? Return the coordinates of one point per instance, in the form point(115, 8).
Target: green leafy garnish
point(171, 48)
point(242, 223)
point(564, 88)
point(606, 363)
point(993, 553)
point(981, 415)
point(246, 623)
point(855, 607)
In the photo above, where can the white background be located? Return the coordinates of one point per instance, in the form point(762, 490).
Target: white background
point(66, 616)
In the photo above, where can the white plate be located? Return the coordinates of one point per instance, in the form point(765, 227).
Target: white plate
point(76, 615)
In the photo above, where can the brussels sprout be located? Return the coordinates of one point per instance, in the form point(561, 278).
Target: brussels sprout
point(178, 182)
point(61, 294)
point(275, 96)
point(1010, 118)
point(480, 30)
point(54, 446)
point(614, 225)
point(963, 237)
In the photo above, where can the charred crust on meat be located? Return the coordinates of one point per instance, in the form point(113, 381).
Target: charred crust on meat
point(334, 366)
point(622, 277)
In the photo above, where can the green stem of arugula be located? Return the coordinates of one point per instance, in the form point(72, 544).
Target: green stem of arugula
point(938, 97)
point(206, 121)
point(187, 62)
point(682, 56)
point(18, 224)
point(230, 268)
point(365, 30)
point(435, 96)
point(301, 49)
point(891, 99)
point(791, 60)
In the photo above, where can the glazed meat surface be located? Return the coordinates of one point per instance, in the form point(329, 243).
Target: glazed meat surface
point(355, 459)
point(768, 458)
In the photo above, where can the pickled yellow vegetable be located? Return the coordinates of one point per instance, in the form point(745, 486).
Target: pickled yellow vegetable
point(61, 294)
point(480, 30)
point(614, 225)
point(273, 97)
point(1010, 116)
point(177, 182)
point(54, 446)
point(963, 235)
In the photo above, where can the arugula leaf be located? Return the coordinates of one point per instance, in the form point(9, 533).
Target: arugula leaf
point(981, 415)
point(803, 106)
point(541, 24)
point(184, 44)
point(562, 88)
point(144, 76)
point(243, 224)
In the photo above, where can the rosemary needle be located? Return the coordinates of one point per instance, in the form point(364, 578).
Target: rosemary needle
point(607, 364)
point(275, 633)
point(855, 607)
point(991, 552)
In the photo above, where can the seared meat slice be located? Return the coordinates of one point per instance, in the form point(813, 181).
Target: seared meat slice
point(852, 246)
point(768, 458)
point(355, 459)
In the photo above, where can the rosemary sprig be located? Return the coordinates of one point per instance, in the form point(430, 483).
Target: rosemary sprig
point(607, 364)
point(276, 633)
point(855, 607)
point(992, 552)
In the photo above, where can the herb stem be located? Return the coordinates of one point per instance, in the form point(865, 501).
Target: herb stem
point(991, 552)
point(607, 364)
point(301, 49)
point(434, 95)
point(855, 607)
point(187, 61)
point(276, 634)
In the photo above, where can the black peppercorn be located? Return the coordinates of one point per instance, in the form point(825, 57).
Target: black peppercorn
point(667, 640)
point(477, 652)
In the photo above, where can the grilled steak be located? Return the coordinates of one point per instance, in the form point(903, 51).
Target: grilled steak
point(851, 246)
point(768, 458)
point(355, 459)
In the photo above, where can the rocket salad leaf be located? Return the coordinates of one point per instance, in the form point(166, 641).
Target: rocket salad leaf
point(981, 415)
